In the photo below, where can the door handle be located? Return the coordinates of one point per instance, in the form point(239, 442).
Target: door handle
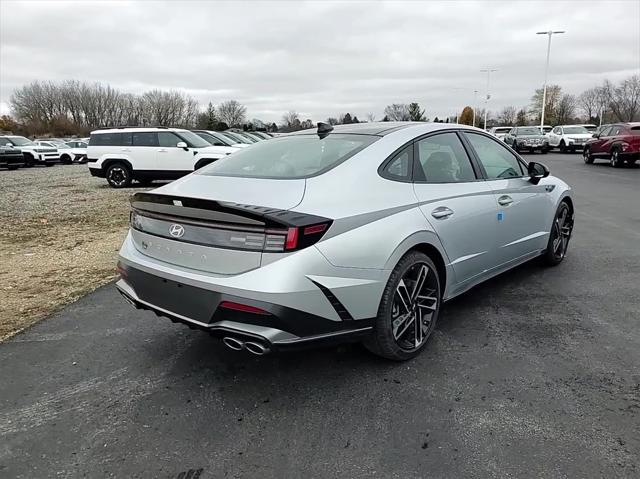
point(163, 150)
point(125, 149)
point(505, 200)
point(441, 212)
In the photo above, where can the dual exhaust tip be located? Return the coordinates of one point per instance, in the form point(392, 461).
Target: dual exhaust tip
point(238, 345)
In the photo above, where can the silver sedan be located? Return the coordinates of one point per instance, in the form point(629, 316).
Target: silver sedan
point(348, 233)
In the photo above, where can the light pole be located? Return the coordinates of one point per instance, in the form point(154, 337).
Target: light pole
point(550, 33)
point(486, 101)
point(475, 105)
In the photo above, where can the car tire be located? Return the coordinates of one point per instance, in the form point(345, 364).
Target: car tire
point(515, 147)
point(563, 147)
point(48, 165)
point(66, 159)
point(559, 236)
point(29, 161)
point(544, 151)
point(587, 156)
point(615, 160)
point(118, 175)
point(394, 334)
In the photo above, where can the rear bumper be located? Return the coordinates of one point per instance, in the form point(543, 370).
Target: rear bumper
point(282, 328)
point(307, 299)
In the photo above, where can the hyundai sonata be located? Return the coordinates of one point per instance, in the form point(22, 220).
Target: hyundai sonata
point(348, 233)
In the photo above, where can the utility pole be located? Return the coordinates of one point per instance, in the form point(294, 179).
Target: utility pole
point(475, 105)
point(488, 71)
point(550, 33)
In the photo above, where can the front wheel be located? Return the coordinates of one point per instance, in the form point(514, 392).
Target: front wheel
point(408, 309)
point(559, 236)
point(66, 159)
point(118, 175)
point(587, 156)
point(615, 160)
point(563, 147)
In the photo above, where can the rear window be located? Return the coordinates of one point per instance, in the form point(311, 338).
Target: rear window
point(289, 157)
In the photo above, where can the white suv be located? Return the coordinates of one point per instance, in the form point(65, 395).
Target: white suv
point(568, 137)
point(33, 153)
point(145, 154)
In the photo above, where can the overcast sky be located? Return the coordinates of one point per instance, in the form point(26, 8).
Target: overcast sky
point(321, 58)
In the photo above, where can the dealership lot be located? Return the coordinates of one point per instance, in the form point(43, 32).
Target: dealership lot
point(533, 374)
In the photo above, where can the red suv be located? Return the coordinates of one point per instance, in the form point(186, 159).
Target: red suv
point(617, 143)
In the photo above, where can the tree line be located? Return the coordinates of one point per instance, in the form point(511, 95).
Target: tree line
point(606, 103)
point(75, 108)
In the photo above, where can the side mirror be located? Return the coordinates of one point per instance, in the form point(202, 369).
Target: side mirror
point(10, 145)
point(182, 144)
point(537, 171)
point(595, 135)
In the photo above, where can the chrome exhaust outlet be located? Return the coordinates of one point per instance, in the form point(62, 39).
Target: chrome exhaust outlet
point(256, 348)
point(233, 343)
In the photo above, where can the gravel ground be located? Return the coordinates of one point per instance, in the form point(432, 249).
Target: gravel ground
point(61, 232)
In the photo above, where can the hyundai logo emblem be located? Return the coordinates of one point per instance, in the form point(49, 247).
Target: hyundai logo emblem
point(177, 231)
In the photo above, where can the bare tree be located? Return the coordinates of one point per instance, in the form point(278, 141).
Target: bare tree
point(397, 112)
point(624, 100)
point(332, 121)
point(565, 109)
point(289, 119)
point(589, 103)
point(232, 112)
point(508, 116)
point(371, 117)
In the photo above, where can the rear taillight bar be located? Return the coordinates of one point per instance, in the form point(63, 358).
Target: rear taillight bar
point(230, 236)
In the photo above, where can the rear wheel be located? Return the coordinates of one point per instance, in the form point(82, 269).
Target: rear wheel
point(408, 309)
point(615, 160)
point(559, 236)
point(118, 175)
point(587, 156)
point(28, 160)
point(66, 159)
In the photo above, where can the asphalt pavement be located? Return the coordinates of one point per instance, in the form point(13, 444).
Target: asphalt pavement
point(535, 373)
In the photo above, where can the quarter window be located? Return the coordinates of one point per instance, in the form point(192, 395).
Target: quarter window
point(399, 168)
point(144, 138)
point(442, 159)
point(498, 162)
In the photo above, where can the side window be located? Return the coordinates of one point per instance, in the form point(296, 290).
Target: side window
point(106, 139)
point(498, 162)
point(166, 139)
point(399, 168)
point(615, 130)
point(145, 138)
point(442, 159)
point(556, 131)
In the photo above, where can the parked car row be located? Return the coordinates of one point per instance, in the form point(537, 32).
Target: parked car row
point(18, 151)
point(123, 155)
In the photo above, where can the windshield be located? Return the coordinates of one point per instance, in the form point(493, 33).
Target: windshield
point(575, 130)
point(20, 141)
point(193, 140)
point(528, 131)
point(297, 156)
point(502, 130)
point(237, 138)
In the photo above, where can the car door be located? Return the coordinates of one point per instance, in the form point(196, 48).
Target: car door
point(457, 203)
point(554, 136)
point(143, 151)
point(171, 158)
point(523, 207)
point(597, 147)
